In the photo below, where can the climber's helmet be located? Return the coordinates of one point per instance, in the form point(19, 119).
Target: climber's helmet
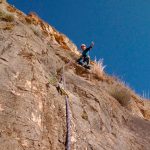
point(83, 47)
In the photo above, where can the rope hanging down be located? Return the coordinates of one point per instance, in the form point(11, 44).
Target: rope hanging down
point(68, 141)
point(67, 124)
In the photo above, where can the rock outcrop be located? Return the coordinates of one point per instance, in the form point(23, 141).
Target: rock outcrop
point(105, 114)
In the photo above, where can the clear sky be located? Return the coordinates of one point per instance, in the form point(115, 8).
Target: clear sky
point(119, 28)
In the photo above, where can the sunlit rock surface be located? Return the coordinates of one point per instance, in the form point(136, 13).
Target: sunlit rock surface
point(32, 112)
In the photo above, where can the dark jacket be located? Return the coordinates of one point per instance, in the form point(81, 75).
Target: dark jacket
point(85, 53)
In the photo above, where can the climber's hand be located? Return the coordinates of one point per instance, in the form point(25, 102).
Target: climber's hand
point(92, 43)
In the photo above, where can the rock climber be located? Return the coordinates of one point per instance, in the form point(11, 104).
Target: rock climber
point(85, 54)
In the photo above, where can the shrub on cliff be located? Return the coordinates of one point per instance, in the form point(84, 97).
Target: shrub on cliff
point(36, 30)
point(98, 68)
point(121, 94)
point(6, 16)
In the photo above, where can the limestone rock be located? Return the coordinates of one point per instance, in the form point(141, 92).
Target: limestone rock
point(32, 112)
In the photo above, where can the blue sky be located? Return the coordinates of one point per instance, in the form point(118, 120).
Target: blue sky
point(119, 28)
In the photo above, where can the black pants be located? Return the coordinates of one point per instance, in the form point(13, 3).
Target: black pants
point(84, 59)
point(87, 60)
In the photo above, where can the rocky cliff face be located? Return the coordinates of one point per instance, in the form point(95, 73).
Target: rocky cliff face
point(105, 114)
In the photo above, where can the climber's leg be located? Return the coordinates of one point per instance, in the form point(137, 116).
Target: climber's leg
point(80, 60)
point(87, 60)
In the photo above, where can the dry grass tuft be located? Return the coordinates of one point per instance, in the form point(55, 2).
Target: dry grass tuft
point(37, 30)
point(29, 20)
point(98, 68)
point(121, 94)
point(33, 18)
point(6, 16)
point(11, 9)
point(60, 40)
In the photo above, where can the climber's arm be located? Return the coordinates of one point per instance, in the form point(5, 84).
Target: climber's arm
point(90, 47)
